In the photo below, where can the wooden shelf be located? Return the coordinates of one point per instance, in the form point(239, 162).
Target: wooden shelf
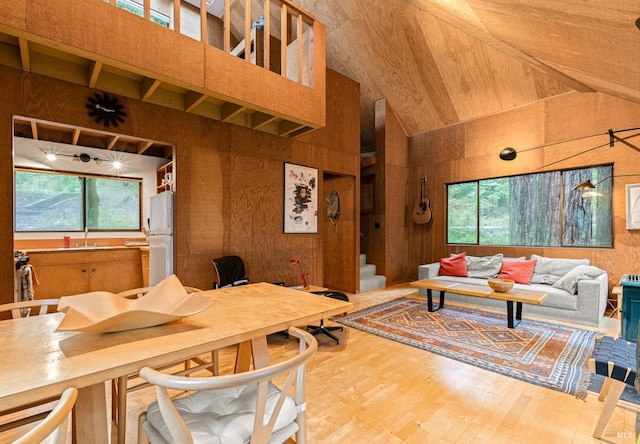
point(165, 178)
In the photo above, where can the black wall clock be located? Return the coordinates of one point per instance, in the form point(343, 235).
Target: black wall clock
point(106, 109)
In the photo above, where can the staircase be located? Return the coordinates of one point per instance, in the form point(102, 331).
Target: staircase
point(369, 280)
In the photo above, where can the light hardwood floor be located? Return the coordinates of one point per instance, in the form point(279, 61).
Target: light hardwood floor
point(380, 391)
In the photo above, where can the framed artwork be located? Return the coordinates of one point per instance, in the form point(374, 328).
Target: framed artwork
point(300, 199)
point(633, 207)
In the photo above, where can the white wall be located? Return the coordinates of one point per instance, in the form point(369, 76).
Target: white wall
point(29, 153)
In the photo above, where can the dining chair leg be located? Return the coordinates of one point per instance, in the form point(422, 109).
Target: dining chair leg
point(122, 409)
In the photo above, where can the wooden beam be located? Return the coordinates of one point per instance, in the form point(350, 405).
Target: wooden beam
point(192, 99)
point(176, 15)
point(25, 56)
point(267, 35)
point(143, 146)
point(286, 127)
point(227, 26)
point(75, 136)
point(94, 73)
point(112, 140)
point(247, 30)
point(148, 87)
point(34, 129)
point(203, 21)
point(283, 40)
point(301, 132)
point(299, 31)
point(230, 110)
point(259, 119)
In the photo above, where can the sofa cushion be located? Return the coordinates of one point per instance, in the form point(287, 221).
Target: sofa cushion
point(455, 265)
point(569, 281)
point(518, 271)
point(549, 270)
point(484, 267)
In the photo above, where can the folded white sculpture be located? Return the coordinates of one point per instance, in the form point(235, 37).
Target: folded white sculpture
point(103, 312)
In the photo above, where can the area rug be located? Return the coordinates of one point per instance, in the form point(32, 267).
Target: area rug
point(540, 353)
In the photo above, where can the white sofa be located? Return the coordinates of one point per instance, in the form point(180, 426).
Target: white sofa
point(585, 307)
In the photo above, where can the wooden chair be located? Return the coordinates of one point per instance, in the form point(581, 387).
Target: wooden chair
point(55, 424)
point(122, 386)
point(246, 407)
point(18, 310)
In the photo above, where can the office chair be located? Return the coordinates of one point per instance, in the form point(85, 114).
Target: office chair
point(229, 271)
point(324, 329)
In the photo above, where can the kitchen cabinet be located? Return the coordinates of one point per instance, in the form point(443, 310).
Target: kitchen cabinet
point(144, 262)
point(75, 271)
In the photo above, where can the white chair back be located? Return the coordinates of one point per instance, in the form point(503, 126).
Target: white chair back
point(294, 368)
point(56, 423)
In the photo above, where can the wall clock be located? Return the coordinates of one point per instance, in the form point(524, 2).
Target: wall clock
point(105, 109)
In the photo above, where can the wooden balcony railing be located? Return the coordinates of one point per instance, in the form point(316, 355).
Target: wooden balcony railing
point(280, 34)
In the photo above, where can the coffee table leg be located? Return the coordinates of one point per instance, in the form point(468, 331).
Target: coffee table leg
point(511, 322)
point(430, 301)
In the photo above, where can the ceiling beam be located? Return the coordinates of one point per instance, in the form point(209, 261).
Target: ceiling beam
point(499, 45)
point(111, 142)
point(192, 99)
point(144, 146)
point(148, 87)
point(25, 56)
point(230, 110)
point(94, 73)
point(34, 129)
point(259, 119)
point(287, 127)
point(75, 136)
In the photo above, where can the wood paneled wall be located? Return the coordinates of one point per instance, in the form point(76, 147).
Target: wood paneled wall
point(229, 179)
point(469, 151)
point(385, 236)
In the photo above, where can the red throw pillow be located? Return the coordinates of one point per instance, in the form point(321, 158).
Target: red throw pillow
point(455, 265)
point(518, 271)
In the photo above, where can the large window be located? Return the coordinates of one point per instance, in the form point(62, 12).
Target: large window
point(533, 210)
point(50, 201)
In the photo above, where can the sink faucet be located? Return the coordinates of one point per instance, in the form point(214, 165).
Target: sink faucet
point(86, 234)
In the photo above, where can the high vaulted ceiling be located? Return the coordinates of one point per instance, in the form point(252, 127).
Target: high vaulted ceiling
point(439, 62)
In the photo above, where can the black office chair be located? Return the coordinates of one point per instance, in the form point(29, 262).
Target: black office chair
point(229, 272)
point(324, 329)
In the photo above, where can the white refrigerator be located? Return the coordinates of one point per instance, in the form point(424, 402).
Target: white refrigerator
point(160, 237)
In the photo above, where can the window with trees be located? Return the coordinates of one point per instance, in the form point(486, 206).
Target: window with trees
point(533, 210)
point(55, 201)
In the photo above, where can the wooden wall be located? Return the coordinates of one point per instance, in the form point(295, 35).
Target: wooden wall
point(384, 232)
point(469, 151)
point(229, 179)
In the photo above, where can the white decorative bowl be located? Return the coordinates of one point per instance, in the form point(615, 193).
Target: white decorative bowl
point(500, 285)
point(104, 312)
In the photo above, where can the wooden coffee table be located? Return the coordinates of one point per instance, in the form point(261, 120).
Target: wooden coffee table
point(482, 291)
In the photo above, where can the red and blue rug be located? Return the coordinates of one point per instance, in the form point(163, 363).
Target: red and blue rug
point(545, 354)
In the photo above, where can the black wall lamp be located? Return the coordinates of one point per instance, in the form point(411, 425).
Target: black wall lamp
point(510, 153)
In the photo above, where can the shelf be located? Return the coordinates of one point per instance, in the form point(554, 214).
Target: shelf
point(165, 178)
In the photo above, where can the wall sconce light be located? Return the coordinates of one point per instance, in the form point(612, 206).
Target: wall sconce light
point(509, 153)
point(589, 189)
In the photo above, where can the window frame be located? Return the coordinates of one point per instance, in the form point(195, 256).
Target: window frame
point(85, 176)
point(561, 203)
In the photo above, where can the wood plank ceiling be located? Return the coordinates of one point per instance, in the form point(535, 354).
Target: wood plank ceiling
point(440, 62)
point(437, 62)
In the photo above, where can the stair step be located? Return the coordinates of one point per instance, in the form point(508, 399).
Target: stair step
point(372, 282)
point(367, 270)
point(363, 259)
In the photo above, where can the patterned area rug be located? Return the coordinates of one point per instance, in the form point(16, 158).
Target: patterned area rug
point(540, 353)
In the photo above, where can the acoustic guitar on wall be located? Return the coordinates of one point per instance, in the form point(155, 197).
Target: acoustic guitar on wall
point(422, 211)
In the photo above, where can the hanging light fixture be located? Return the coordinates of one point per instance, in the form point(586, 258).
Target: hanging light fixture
point(510, 153)
point(584, 186)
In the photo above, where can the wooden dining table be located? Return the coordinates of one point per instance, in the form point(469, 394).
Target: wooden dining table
point(39, 362)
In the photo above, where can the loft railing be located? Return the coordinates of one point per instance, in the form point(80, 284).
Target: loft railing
point(278, 34)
